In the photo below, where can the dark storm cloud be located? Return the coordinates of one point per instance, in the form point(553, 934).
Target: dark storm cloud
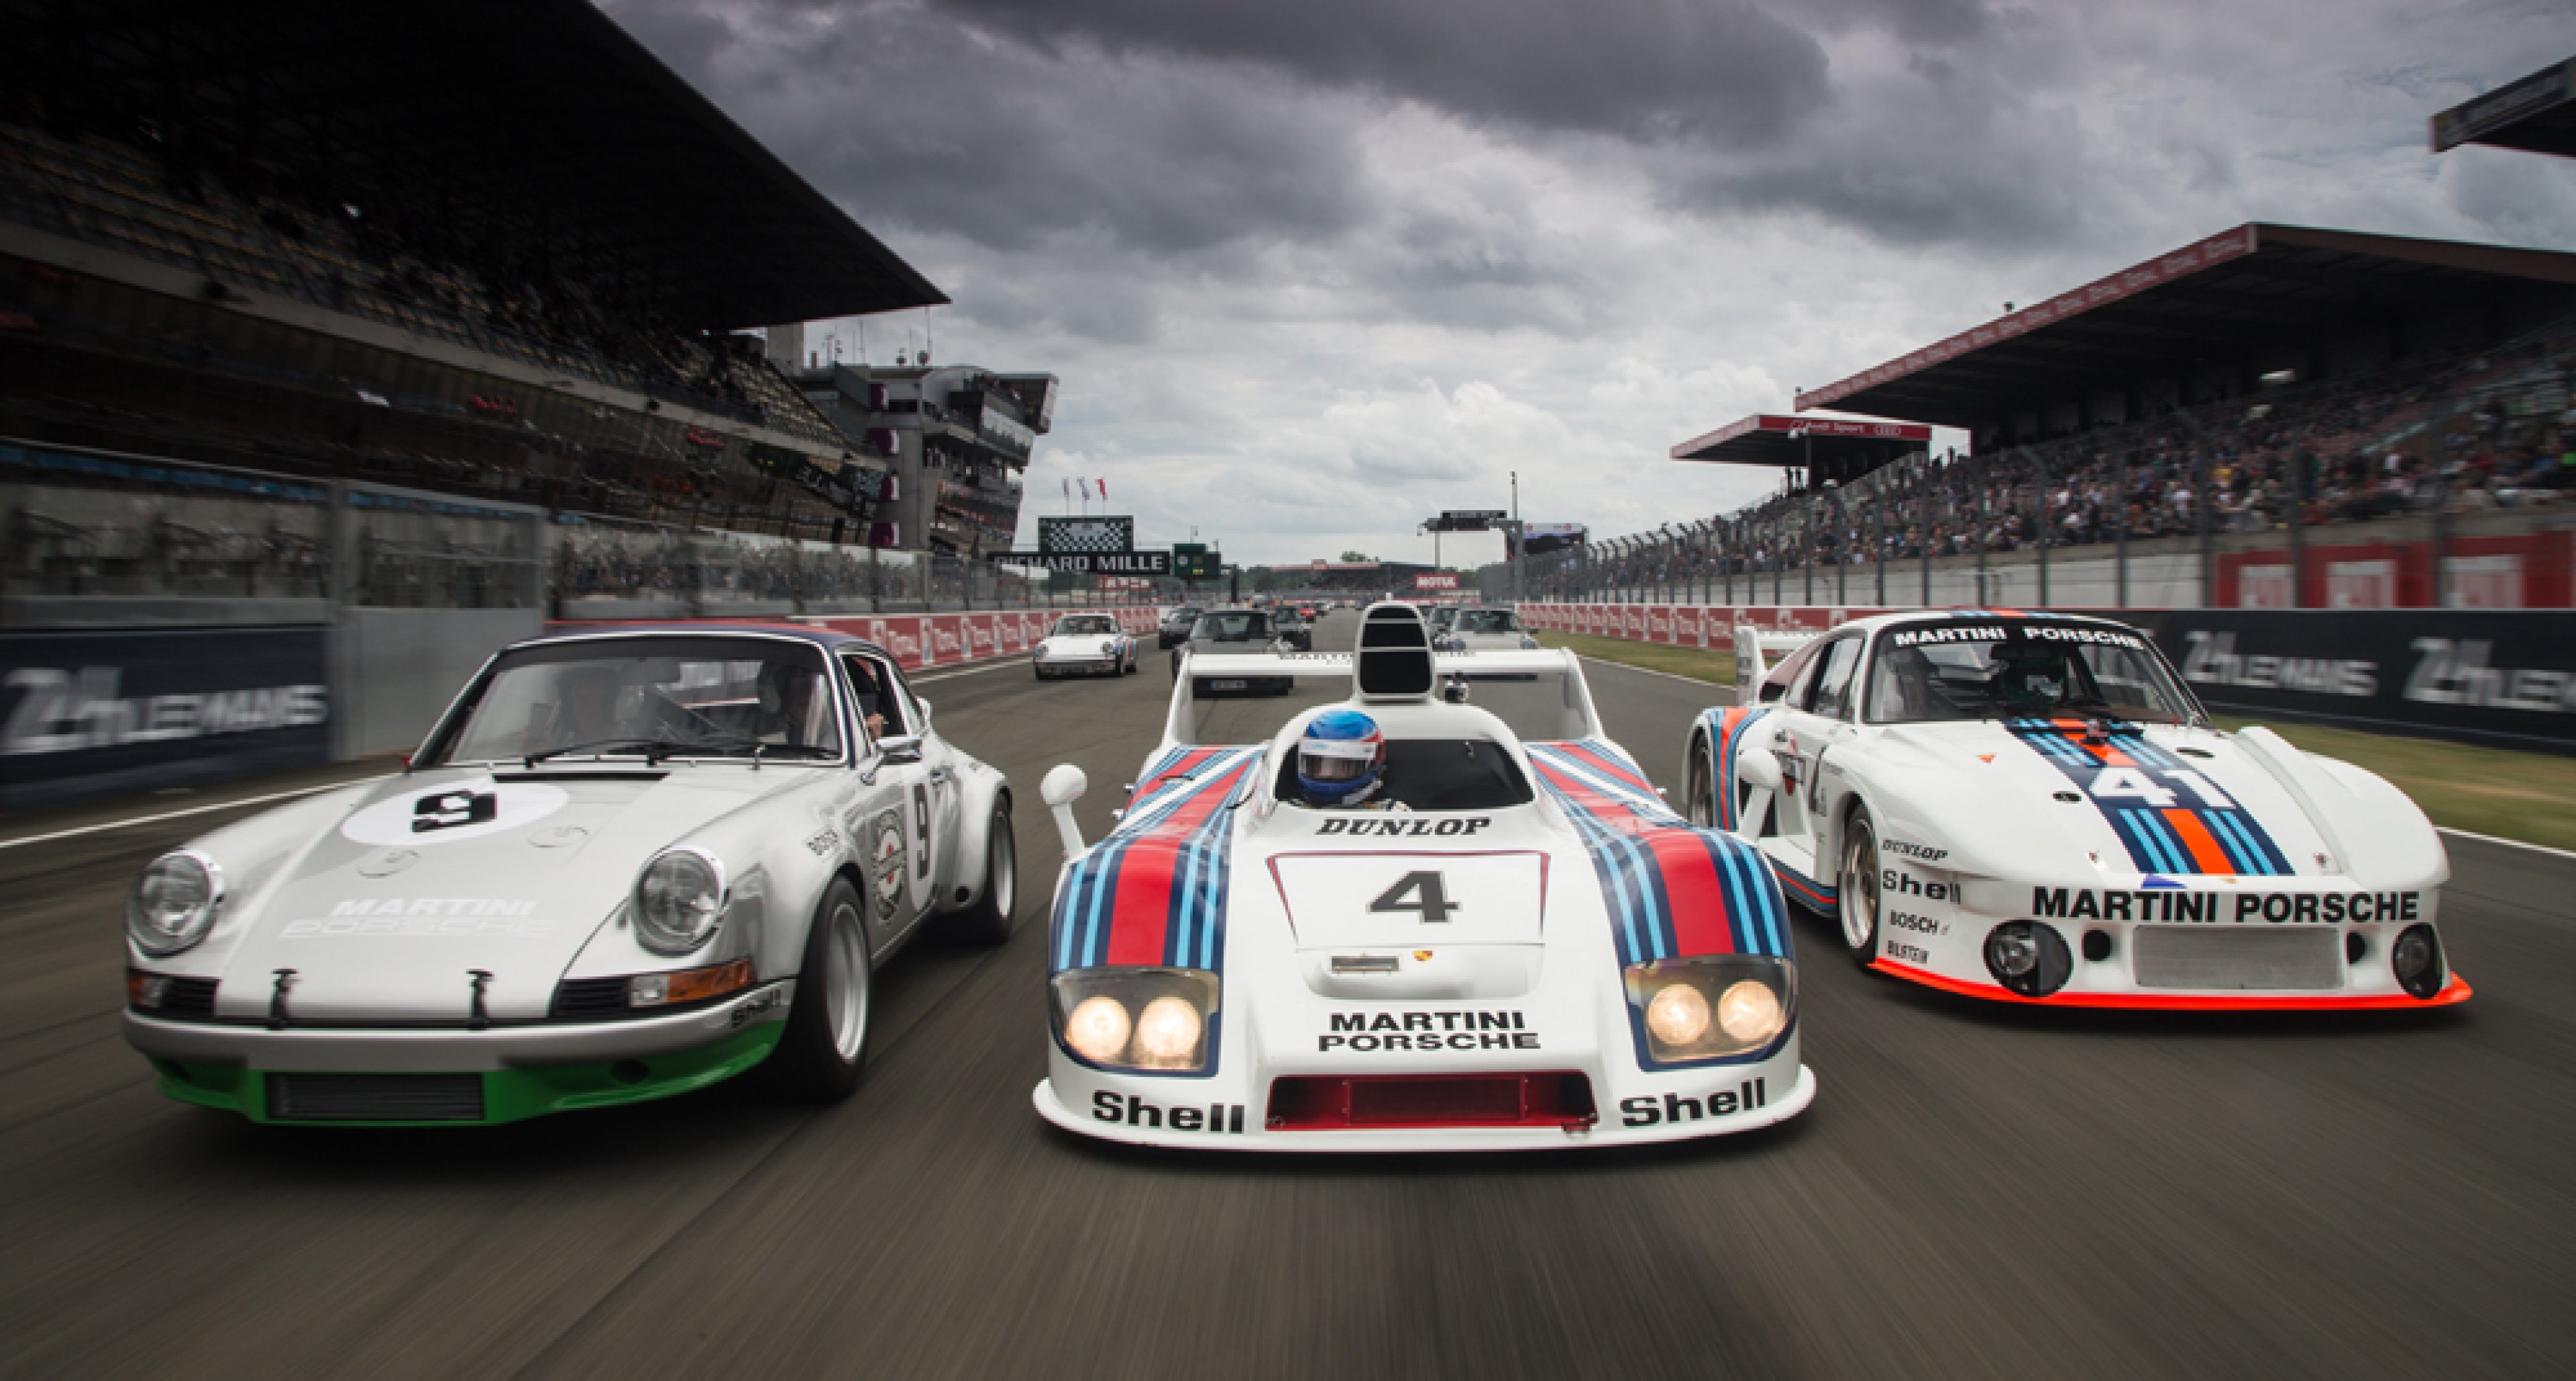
point(914, 120)
point(1711, 69)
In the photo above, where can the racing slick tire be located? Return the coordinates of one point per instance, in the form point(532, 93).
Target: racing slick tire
point(824, 1053)
point(1856, 888)
point(1699, 790)
point(1042, 675)
point(1132, 660)
point(989, 921)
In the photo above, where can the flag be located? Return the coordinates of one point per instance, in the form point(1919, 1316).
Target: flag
point(1086, 488)
point(1068, 486)
point(1104, 487)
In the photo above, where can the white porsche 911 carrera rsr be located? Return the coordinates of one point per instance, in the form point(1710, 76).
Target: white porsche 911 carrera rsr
point(1513, 945)
point(2033, 807)
point(1084, 645)
point(625, 864)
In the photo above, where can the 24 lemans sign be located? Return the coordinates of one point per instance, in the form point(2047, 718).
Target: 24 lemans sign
point(89, 713)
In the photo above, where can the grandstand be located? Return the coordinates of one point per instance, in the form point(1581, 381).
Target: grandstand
point(2537, 114)
point(2225, 418)
point(489, 248)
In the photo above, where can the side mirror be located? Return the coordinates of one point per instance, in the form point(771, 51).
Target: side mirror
point(899, 749)
point(1772, 690)
point(924, 707)
point(1760, 769)
point(1063, 785)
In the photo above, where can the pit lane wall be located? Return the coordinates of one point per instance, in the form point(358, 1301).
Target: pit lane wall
point(2503, 678)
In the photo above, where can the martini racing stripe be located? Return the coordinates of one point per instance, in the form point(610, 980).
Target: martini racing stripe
point(1154, 891)
point(1727, 726)
point(1672, 891)
point(2181, 829)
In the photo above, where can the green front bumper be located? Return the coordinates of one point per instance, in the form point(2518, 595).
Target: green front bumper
point(509, 1095)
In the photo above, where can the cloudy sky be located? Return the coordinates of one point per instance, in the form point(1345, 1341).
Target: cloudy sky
point(1311, 272)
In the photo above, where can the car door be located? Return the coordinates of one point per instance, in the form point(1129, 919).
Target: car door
point(892, 820)
point(939, 805)
point(1802, 729)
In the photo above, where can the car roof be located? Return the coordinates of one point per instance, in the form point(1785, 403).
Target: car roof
point(824, 638)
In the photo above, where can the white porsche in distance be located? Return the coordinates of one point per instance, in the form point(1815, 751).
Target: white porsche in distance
point(1513, 945)
point(1084, 645)
point(626, 863)
point(2031, 807)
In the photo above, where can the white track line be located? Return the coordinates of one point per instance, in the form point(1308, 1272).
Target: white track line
point(1650, 671)
point(133, 820)
point(2508, 843)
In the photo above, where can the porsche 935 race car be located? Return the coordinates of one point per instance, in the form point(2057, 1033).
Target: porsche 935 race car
point(1084, 645)
point(1514, 945)
point(2034, 808)
point(623, 865)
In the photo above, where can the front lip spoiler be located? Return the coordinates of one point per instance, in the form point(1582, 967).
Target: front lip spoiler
point(1602, 1135)
point(2458, 991)
point(454, 1049)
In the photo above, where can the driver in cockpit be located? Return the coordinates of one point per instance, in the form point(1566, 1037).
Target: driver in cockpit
point(1341, 761)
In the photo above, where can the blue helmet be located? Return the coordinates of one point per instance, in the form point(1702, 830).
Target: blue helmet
point(1340, 757)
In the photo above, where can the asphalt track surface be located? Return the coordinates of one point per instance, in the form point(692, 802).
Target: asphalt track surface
point(1976, 1191)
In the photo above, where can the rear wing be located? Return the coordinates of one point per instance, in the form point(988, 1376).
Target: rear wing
point(1326, 677)
point(1757, 652)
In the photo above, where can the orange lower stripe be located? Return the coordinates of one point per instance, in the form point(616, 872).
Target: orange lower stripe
point(2196, 837)
point(2457, 992)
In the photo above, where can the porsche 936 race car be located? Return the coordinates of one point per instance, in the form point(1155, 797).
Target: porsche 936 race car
point(1513, 943)
point(2034, 808)
point(1084, 645)
point(623, 865)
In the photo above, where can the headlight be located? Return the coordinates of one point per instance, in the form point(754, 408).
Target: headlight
point(679, 898)
point(1528, 643)
point(1712, 1008)
point(1136, 1018)
point(173, 904)
point(2028, 958)
point(2417, 959)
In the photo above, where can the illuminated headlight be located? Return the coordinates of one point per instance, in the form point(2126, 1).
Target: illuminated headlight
point(1712, 1008)
point(1136, 1018)
point(173, 904)
point(679, 898)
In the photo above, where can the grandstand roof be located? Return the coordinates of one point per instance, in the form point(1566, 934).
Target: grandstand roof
point(2537, 113)
point(538, 123)
point(2206, 304)
point(1830, 444)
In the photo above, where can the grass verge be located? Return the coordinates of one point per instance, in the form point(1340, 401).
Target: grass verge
point(2525, 796)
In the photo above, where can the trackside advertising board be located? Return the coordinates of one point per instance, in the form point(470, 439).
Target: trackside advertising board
point(2504, 677)
point(85, 714)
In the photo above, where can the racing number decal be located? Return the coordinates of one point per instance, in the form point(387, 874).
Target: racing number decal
point(450, 809)
point(2138, 785)
point(1431, 898)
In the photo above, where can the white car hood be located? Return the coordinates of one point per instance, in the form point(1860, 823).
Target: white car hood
point(384, 922)
point(2157, 800)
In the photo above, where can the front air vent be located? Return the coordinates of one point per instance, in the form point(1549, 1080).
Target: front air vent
point(375, 1097)
point(589, 999)
point(1313, 1103)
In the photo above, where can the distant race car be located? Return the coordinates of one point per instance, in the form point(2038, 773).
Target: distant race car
point(1485, 629)
point(2035, 808)
point(1176, 624)
point(1234, 631)
point(625, 864)
point(1084, 645)
point(1293, 628)
point(1511, 944)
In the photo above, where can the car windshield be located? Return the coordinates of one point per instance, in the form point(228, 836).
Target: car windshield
point(688, 697)
point(1943, 672)
point(1489, 621)
point(1083, 625)
point(1233, 626)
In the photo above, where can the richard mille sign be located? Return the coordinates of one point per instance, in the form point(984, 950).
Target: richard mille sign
point(1090, 562)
